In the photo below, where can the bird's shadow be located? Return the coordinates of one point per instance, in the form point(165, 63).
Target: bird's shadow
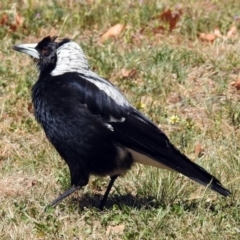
point(93, 200)
point(136, 202)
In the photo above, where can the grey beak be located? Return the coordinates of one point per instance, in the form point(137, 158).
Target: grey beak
point(29, 49)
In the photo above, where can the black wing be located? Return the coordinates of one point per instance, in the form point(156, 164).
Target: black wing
point(133, 130)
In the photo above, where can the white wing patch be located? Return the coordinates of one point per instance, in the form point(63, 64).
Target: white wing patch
point(106, 87)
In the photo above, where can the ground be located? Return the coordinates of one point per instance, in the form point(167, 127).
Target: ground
point(176, 61)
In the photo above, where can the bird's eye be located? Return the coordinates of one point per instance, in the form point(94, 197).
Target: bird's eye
point(45, 51)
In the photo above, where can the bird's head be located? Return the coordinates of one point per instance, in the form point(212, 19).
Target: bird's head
point(54, 57)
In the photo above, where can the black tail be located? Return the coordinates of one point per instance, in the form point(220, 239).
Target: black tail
point(198, 174)
point(142, 136)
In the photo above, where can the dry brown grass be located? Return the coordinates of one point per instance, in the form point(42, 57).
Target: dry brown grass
point(176, 76)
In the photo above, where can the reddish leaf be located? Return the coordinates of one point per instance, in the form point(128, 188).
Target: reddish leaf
point(4, 19)
point(236, 84)
point(198, 150)
point(18, 22)
point(171, 18)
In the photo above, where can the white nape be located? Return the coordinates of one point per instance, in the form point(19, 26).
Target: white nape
point(70, 58)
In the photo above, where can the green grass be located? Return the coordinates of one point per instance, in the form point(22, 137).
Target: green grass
point(178, 76)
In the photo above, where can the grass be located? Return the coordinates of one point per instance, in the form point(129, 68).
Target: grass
point(180, 82)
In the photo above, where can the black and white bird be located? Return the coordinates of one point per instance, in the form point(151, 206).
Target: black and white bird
point(92, 125)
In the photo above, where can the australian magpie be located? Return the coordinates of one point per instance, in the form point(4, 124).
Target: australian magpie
point(92, 125)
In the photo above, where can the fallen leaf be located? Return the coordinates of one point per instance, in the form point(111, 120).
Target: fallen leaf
point(128, 73)
point(113, 31)
point(217, 33)
point(169, 17)
point(232, 31)
point(4, 19)
point(236, 84)
point(198, 150)
point(18, 22)
point(115, 229)
point(208, 37)
point(30, 107)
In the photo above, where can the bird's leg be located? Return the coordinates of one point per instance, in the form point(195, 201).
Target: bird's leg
point(103, 202)
point(64, 195)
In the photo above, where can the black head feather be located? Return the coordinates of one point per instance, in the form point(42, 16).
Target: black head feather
point(47, 49)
